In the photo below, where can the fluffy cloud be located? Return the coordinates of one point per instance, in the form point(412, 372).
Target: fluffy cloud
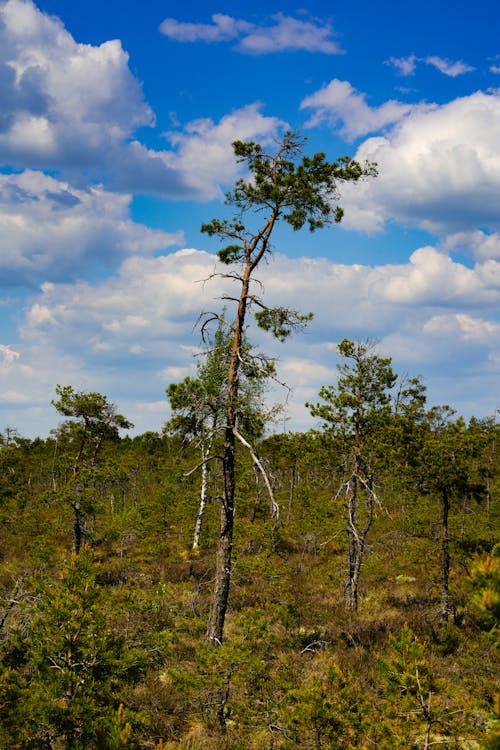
point(60, 94)
point(51, 230)
point(448, 67)
point(470, 347)
point(69, 106)
point(439, 169)
point(464, 327)
point(338, 102)
point(130, 335)
point(432, 277)
point(153, 299)
point(406, 65)
point(127, 336)
point(75, 108)
point(201, 157)
point(127, 317)
point(285, 33)
point(224, 28)
point(202, 152)
point(481, 245)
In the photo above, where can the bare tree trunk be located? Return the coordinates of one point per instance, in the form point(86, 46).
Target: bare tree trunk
point(215, 628)
point(203, 497)
point(357, 533)
point(353, 552)
point(293, 480)
point(217, 616)
point(78, 533)
point(223, 700)
point(358, 551)
point(445, 553)
point(464, 513)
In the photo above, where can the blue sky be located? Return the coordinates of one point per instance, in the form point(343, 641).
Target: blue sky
point(115, 145)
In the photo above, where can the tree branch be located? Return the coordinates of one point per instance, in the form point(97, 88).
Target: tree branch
point(202, 463)
point(275, 508)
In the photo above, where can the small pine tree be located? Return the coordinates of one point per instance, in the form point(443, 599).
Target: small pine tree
point(70, 658)
point(485, 590)
point(420, 708)
point(199, 404)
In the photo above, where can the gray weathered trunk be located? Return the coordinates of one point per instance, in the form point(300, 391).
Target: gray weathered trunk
point(215, 628)
point(445, 556)
point(203, 497)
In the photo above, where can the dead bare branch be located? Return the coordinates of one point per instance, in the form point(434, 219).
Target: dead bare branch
point(275, 508)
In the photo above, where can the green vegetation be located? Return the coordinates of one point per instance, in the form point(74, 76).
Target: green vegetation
point(107, 648)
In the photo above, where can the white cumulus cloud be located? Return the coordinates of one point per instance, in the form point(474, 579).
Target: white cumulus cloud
point(63, 102)
point(132, 334)
point(464, 327)
point(432, 277)
point(481, 245)
point(51, 230)
point(75, 108)
point(282, 34)
point(339, 103)
point(202, 148)
point(439, 169)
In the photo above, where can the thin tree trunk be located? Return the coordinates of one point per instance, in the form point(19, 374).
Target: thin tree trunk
point(445, 552)
point(223, 699)
point(293, 479)
point(217, 616)
point(215, 628)
point(353, 552)
point(357, 535)
point(352, 583)
point(76, 465)
point(78, 533)
point(216, 619)
point(203, 498)
point(464, 513)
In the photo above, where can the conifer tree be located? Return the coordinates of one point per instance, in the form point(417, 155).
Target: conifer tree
point(356, 411)
point(199, 404)
point(283, 186)
point(70, 658)
point(95, 420)
point(448, 474)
